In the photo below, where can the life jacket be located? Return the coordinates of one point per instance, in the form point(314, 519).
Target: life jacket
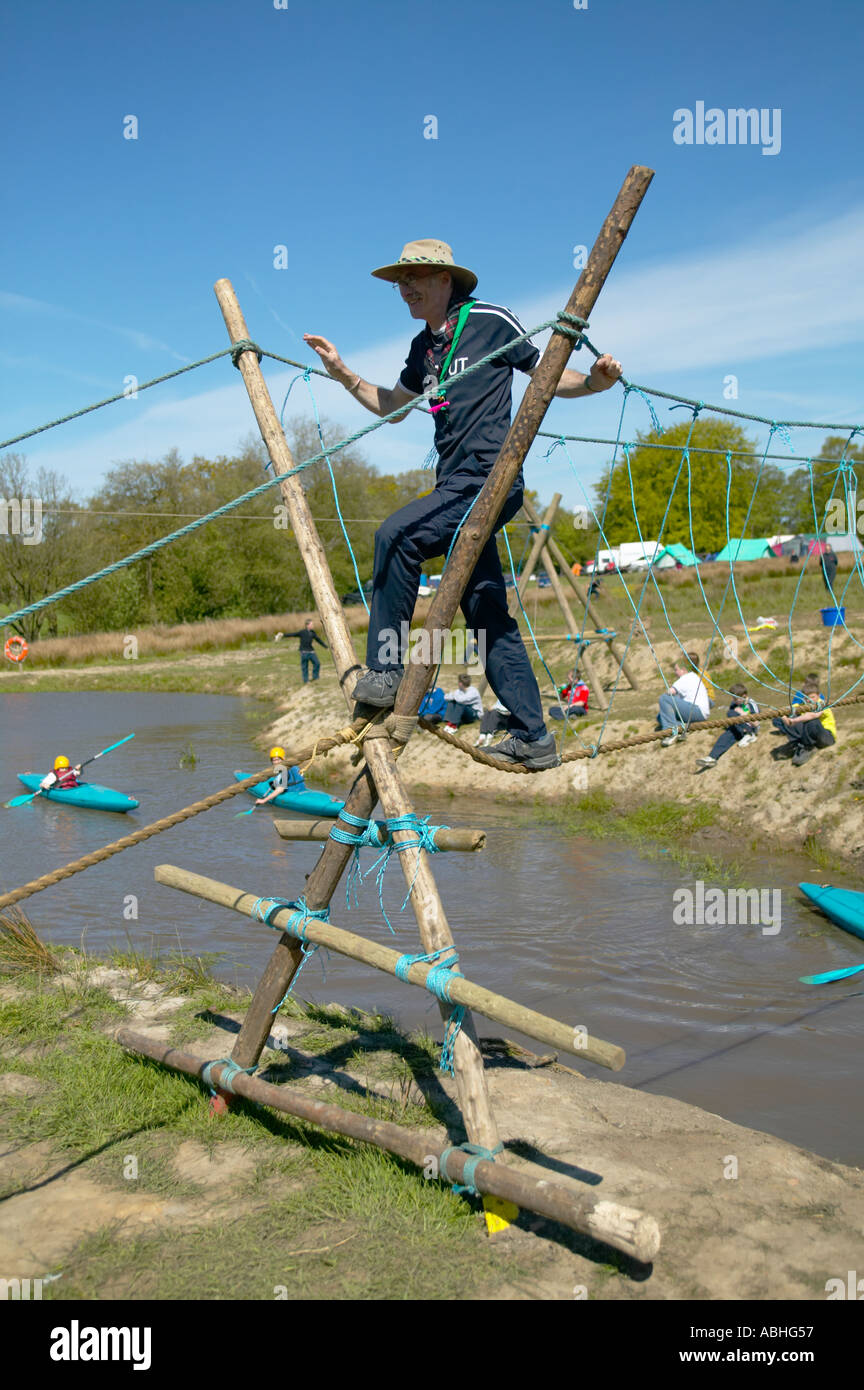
point(66, 778)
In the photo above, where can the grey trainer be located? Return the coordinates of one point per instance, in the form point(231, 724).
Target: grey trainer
point(538, 755)
point(377, 688)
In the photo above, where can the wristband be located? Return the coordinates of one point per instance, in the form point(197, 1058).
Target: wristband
point(590, 389)
point(352, 389)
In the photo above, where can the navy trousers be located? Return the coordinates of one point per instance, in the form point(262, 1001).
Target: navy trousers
point(420, 531)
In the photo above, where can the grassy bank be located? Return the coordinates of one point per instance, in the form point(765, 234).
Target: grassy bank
point(181, 1205)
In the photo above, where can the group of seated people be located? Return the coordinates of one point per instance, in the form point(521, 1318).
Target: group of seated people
point(810, 725)
point(464, 705)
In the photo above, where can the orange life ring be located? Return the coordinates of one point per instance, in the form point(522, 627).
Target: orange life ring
point(15, 648)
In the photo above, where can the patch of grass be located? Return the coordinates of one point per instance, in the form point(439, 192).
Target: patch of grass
point(22, 951)
point(362, 1227)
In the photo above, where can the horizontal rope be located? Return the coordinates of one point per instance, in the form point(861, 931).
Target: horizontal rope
point(97, 856)
point(621, 744)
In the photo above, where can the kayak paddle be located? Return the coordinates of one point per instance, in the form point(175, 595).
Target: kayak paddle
point(830, 975)
point(25, 800)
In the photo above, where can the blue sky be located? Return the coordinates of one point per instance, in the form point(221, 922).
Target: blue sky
point(303, 127)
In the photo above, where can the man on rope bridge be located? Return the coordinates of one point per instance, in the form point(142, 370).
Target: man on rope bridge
point(472, 419)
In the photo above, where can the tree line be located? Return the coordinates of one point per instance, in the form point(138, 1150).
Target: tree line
point(247, 564)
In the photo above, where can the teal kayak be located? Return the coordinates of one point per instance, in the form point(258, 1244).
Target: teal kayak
point(843, 905)
point(307, 802)
point(89, 796)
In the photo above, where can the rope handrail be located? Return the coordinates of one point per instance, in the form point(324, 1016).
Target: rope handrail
point(154, 546)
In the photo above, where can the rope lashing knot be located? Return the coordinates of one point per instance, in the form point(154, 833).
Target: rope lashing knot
point(244, 345)
point(425, 839)
point(477, 1155)
point(570, 326)
point(231, 1070)
point(295, 927)
point(438, 982)
point(783, 433)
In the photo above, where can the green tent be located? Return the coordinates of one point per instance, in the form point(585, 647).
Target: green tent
point(745, 550)
point(672, 553)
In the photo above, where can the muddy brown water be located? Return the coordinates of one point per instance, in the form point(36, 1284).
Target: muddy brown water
point(584, 930)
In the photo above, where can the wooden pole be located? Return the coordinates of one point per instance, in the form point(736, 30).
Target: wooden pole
point(498, 1007)
point(459, 840)
point(590, 611)
point(537, 546)
point(623, 1228)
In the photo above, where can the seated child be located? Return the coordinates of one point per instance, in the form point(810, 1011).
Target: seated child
point(433, 706)
point(493, 722)
point(742, 733)
point(574, 696)
point(464, 705)
point(814, 727)
point(684, 703)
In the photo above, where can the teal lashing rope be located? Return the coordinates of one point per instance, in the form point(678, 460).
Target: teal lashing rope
point(478, 1155)
point(438, 982)
point(231, 1070)
point(295, 927)
point(369, 834)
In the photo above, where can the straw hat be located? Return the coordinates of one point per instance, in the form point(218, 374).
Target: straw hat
point(429, 253)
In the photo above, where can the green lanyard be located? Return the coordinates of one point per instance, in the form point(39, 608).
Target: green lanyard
point(462, 319)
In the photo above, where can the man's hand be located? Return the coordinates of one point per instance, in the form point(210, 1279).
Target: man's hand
point(605, 372)
point(330, 358)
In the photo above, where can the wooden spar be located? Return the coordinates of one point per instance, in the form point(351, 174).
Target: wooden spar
point(537, 547)
point(623, 1228)
point(471, 1083)
point(590, 611)
point(321, 580)
point(435, 935)
point(541, 388)
point(495, 1006)
point(464, 841)
point(544, 557)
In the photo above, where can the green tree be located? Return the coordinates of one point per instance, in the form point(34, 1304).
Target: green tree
point(36, 559)
point(757, 494)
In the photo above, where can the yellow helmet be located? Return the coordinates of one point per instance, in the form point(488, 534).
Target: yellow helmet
point(60, 761)
point(277, 752)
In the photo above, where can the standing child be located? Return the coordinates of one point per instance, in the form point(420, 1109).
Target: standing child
point(742, 733)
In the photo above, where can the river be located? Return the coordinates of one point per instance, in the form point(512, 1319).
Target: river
point(583, 930)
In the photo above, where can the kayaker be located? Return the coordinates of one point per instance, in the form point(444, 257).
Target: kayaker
point(63, 777)
point(813, 728)
point(742, 734)
point(308, 636)
point(472, 418)
point(283, 777)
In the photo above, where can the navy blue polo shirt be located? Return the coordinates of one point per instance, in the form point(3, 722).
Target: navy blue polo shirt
point(470, 432)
